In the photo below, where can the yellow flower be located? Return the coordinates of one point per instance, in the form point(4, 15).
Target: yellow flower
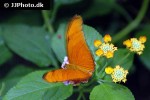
point(99, 52)
point(97, 43)
point(128, 43)
point(109, 54)
point(108, 70)
point(107, 38)
point(136, 45)
point(105, 49)
point(142, 39)
point(119, 74)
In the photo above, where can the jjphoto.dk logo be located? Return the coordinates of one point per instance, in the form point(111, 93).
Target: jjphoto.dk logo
point(16, 5)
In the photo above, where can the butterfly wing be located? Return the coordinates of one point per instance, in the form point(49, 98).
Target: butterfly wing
point(61, 75)
point(77, 49)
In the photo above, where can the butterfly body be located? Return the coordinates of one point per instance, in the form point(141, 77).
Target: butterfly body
point(79, 65)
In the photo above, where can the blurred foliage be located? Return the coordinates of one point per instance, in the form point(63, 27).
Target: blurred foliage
point(146, 55)
point(13, 77)
point(5, 54)
point(33, 42)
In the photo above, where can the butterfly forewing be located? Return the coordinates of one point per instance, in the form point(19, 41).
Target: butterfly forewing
point(77, 49)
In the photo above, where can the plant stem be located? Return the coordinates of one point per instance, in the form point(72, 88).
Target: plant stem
point(103, 81)
point(125, 57)
point(133, 24)
point(54, 12)
point(2, 88)
point(80, 95)
point(103, 67)
point(83, 97)
point(87, 90)
point(47, 22)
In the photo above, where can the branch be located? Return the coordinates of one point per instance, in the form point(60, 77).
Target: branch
point(133, 24)
point(47, 22)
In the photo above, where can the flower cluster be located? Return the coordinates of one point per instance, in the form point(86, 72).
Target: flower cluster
point(136, 45)
point(118, 74)
point(105, 49)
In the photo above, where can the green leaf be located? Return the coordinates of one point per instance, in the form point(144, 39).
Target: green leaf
point(122, 57)
point(33, 87)
point(145, 57)
point(58, 43)
point(90, 36)
point(31, 43)
point(5, 54)
point(13, 77)
point(99, 7)
point(111, 91)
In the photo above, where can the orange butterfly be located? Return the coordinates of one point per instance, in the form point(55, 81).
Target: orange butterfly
point(79, 64)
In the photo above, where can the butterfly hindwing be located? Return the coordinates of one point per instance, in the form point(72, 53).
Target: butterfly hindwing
point(61, 75)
